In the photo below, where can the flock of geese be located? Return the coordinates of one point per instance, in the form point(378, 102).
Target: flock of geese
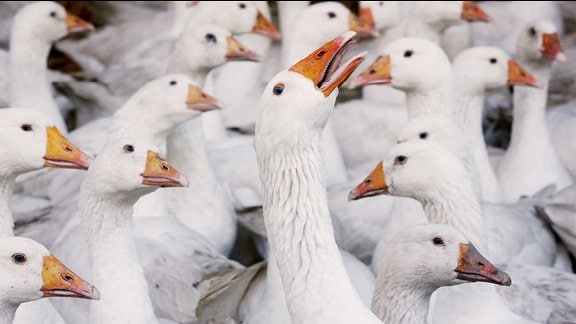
point(206, 170)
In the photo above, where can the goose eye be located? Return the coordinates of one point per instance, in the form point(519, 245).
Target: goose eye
point(438, 241)
point(242, 6)
point(210, 38)
point(53, 14)
point(278, 89)
point(400, 159)
point(173, 83)
point(26, 127)
point(532, 32)
point(381, 3)
point(19, 258)
point(493, 61)
point(331, 15)
point(423, 135)
point(128, 148)
point(408, 53)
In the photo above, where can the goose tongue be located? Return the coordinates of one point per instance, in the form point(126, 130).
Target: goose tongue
point(323, 65)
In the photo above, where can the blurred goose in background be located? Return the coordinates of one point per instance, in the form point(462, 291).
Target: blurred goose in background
point(30, 272)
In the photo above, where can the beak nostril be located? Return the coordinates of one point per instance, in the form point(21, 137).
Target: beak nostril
point(68, 149)
point(67, 277)
point(165, 167)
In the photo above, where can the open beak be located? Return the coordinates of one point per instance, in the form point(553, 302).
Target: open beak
point(471, 12)
point(551, 47)
point(377, 73)
point(200, 100)
point(59, 281)
point(472, 266)
point(266, 28)
point(76, 24)
point(60, 153)
point(158, 172)
point(363, 25)
point(238, 52)
point(373, 185)
point(518, 76)
point(323, 65)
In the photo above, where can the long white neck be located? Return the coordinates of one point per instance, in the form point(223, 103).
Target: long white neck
point(530, 144)
point(29, 86)
point(334, 160)
point(7, 312)
point(400, 301)
point(117, 272)
point(438, 100)
point(469, 106)
point(301, 235)
point(6, 218)
point(204, 205)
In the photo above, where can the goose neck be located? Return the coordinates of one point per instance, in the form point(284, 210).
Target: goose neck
point(438, 100)
point(6, 192)
point(7, 312)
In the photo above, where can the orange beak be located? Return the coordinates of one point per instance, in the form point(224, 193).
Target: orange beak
point(238, 52)
point(471, 12)
point(76, 24)
point(377, 73)
point(266, 28)
point(472, 266)
point(323, 65)
point(373, 185)
point(200, 100)
point(158, 172)
point(518, 76)
point(60, 153)
point(551, 47)
point(364, 27)
point(59, 281)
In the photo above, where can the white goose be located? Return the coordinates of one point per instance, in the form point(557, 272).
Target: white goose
point(314, 280)
point(30, 272)
point(36, 27)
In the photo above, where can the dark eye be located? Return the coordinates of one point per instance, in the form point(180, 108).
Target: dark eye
point(438, 241)
point(128, 148)
point(381, 3)
point(26, 127)
point(53, 14)
point(19, 258)
point(210, 38)
point(242, 6)
point(331, 15)
point(493, 61)
point(278, 89)
point(423, 135)
point(532, 32)
point(408, 53)
point(172, 83)
point(400, 159)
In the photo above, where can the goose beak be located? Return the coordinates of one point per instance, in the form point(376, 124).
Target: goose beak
point(200, 100)
point(158, 172)
point(551, 47)
point(377, 73)
point(472, 266)
point(471, 12)
point(518, 76)
point(60, 153)
point(323, 65)
point(373, 185)
point(266, 28)
point(363, 25)
point(59, 281)
point(238, 52)
point(76, 24)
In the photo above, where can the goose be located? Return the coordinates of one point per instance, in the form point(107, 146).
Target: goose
point(30, 272)
point(29, 47)
point(531, 151)
point(285, 173)
point(428, 185)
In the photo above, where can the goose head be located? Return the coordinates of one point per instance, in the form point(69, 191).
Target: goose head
point(418, 169)
point(485, 68)
point(30, 141)
point(409, 64)
point(30, 272)
point(132, 167)
point(539, 42)
point(237, 16)
point(163, 103)
point(438, 255)
point(48, 21)
point(300, 98)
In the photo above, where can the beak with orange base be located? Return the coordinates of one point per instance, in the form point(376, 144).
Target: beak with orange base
point(160, 173)
point(323, 65)
point(200, 100)
point(377, 73)
point(238, 52)
point(471, 12)
point(364, 25)
point(551, 47)
point(518, 76)
point(59, 281)
point(373, 185)
point(60, 153)
point(472, 266)
point(265, 27)
point(76, 24)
